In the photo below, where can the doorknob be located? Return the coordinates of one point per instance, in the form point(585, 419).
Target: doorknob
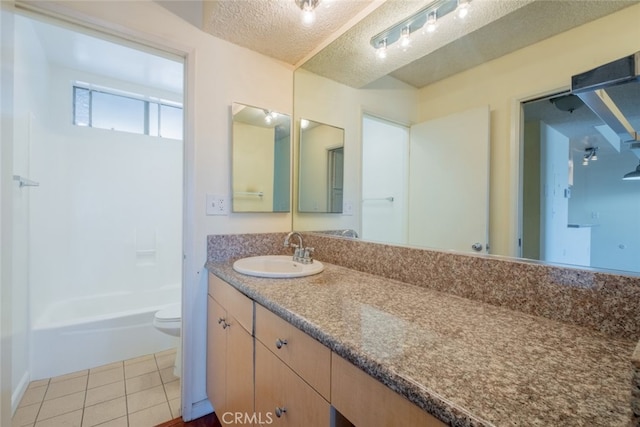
point(477, 247)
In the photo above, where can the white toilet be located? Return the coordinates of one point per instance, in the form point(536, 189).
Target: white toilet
point(169, 321)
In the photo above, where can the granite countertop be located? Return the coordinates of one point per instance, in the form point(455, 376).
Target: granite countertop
point(467, 362)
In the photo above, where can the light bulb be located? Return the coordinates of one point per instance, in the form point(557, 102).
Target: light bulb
point(381, 51)
point(595, 156)
point(268, 119)
point(274, 114)
point(405, 38)
point(463, 8)
point(585, 161)
point(431, 22)
point(304, 123)
point(308, 14)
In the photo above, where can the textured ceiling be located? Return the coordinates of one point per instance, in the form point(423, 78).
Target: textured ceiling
point(274, 27)
point(493, 28)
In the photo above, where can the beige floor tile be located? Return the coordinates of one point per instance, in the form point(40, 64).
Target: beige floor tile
point(71, 419)
point(172, 389)
point(118, 422)
point(150, 417)
point(141, 368)
point(25, 415)
point(69, 376)
point(145, 399)
point(166, 361)
point(106, 367)
point(167, 375)
point(176, 408)
point(38, 383)
point(33, 395)
point(135, 360)
point(103, 412)
point(104, 393)
point(63, 388)
point(61, 405)
point(143, 382)
point(106, 377)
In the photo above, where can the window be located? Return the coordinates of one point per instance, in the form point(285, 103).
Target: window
point(105, 110)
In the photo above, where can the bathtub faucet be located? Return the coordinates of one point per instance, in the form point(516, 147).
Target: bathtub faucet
point(300, 254)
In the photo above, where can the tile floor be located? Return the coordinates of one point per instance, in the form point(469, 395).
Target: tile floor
point(140, 392)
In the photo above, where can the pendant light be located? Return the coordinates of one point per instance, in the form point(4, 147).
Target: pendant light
point(633, 176)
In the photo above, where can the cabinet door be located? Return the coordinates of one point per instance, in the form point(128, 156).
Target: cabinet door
point(280, 391)
point(367, 402)
point(216, 356)
point(239, 369)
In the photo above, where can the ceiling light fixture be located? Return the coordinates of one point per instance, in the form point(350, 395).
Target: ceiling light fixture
point(308, 8)
point(633, 175)
point(402, 30)
point(590, 153)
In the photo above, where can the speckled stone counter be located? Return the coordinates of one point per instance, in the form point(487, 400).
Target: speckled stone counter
point(467, 362)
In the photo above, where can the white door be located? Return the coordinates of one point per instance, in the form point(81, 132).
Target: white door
point(449, 182)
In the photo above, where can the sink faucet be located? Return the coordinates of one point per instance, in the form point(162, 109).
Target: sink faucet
point(301, 254)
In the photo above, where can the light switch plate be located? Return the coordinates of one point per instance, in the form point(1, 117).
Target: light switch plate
point(217, 204)
point(347, 208)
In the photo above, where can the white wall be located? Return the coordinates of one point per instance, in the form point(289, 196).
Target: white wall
point(540, 68)
point(600, 197)
point(219, 73)
point(385, 173)
point(326, 101)
point(105, 199)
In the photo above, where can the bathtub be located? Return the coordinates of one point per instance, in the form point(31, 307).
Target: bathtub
point(88, 332)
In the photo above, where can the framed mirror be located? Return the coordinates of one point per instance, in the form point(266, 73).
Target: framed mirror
point(261, 160)
point(321, 168)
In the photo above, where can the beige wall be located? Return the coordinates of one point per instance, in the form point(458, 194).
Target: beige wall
point(538, 69)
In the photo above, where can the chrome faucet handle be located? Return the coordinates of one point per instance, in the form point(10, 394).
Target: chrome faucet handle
point(308, 255)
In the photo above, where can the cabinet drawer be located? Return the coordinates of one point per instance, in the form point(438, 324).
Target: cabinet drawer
point(303, 354)
point(235, 303)
point(367, 402)
point(279, 388)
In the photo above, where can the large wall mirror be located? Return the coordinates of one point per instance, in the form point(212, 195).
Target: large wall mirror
point(321, 171)
point(261, 153)
point(494, 64)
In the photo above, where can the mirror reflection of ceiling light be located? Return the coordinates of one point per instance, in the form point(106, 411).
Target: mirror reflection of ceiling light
point(308, 8)
point(431, 21)
point(304, 123)
point(633, 175)
point(590, 153)
point(463, 8)
point(426, 17)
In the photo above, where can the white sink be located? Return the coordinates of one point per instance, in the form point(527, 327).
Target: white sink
point(276, 266)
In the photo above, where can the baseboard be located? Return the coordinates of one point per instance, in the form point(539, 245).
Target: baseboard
point(17, 394)
point(199, 409)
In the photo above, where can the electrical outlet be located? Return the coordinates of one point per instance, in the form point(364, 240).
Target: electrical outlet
point(217, 205)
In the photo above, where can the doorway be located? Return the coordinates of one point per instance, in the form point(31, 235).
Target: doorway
point(98, 199)
point(576, 207)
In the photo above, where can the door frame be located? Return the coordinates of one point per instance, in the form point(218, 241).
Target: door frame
point(517, 163)
point(190, 269)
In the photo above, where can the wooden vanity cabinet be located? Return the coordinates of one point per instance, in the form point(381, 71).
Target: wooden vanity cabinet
point(367, 402)
point(230, 375)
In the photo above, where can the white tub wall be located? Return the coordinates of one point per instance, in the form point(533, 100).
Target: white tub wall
point(105, 196)
point(31, 69)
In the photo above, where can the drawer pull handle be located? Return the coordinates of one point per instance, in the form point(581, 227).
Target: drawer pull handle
point(280, 343)
point(224, 323)
point(280, 411)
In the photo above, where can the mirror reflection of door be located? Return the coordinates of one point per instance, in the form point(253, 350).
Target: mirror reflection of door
point(336, 178)
point(576, 207)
